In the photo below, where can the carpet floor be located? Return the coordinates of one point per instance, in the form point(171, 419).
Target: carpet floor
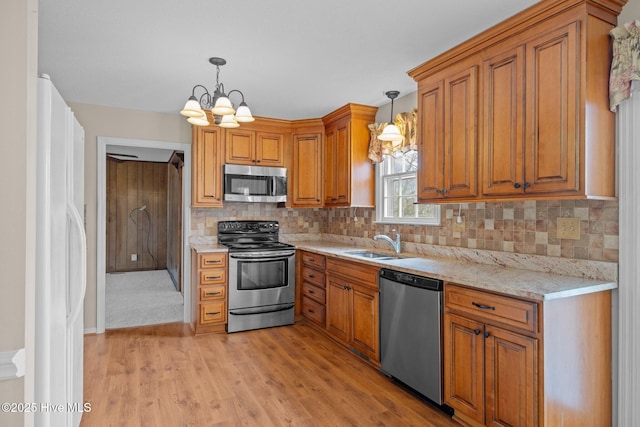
point(141, 298)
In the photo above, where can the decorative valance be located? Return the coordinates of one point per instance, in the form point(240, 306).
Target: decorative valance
point(406, 123)
point(625, 65)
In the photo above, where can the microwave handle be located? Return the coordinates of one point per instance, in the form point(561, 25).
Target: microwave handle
point(274, 185)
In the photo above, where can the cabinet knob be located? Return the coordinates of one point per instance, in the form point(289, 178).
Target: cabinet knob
point(444, 191)
point(477, 331)
point(516, 185)
point(486, 334)
point(526, 185)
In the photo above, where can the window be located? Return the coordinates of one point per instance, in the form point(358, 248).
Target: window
point(396, 192)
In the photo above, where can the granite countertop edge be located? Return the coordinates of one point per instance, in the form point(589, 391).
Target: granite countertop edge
point(533, 285)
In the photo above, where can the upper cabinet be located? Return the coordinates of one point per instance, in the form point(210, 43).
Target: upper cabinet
point(207, 152)
point(448, 141)
point(305, 183)
point(349, 174)
point(518, 111)
point(259, 143)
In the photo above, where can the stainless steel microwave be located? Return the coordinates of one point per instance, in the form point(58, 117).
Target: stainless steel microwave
point(255, 184)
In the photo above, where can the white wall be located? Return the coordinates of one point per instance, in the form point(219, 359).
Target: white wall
point(630, 12)
point(18, 86)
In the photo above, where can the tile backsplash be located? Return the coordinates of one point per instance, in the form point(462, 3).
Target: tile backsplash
point(527, 227)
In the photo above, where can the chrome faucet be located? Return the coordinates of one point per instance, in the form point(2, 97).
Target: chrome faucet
point(396, 244)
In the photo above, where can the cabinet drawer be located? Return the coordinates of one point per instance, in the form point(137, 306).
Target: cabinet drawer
point(313, 276)
point(313, 310)
point(363, 273)
point(213, 292)
point(213, 260)
point(492, 308)
point(209, 277)
point(314, 260)
point(313, 292)
point(213, 312)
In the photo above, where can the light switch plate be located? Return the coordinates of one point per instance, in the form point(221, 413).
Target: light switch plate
point(568, 228)
point(459, 226)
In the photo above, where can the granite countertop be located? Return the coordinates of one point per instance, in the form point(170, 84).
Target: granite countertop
point(203, 248)
point(535, 285)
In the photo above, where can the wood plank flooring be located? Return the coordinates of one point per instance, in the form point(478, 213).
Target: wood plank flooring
point(288, 376)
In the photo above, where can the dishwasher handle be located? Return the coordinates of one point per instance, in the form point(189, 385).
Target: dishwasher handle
point(411, 279)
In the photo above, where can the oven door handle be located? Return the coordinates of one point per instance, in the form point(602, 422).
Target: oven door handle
point(264, 255)
point(261, 310)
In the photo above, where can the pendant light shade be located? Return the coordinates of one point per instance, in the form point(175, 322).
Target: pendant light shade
point(192, 108)
point(243, 114)
point(391, 131)
point(218, 102)
point(229, 121)
point(223, 106)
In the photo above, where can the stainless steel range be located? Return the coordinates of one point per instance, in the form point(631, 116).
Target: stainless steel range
point(261, 275)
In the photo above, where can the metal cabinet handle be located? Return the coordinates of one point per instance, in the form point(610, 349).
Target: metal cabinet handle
point(311, 292)
point(483, 306)
point(212, 261)
point(212, 293)
point(311, 311)
point(212, 277)
point(212, 313)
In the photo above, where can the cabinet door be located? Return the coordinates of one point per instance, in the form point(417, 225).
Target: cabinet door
point(460, 133)
point(364, 321)
point(269, 149)
point(431, 140)
point(240, 146)
point(510, 378)
point(464, 366)
point(207, 156)
point(307, 171)
point(503, 123)
point(552, 122)
point(337, 308)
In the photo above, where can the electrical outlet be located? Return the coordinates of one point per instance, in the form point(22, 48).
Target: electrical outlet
point(134, 257)
point(568, 228)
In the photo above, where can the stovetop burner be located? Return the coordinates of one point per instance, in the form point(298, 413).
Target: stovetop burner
point(250, 236)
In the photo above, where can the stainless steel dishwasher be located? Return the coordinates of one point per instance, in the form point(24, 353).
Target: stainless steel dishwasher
point(410, 331)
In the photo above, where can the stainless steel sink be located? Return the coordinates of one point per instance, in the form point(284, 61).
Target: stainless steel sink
point(372, 255)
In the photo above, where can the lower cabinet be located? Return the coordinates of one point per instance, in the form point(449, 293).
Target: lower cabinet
point(209, 291)
point(514, 362)
point(352, 306)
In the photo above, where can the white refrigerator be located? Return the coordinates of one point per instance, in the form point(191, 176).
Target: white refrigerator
point(60, 262)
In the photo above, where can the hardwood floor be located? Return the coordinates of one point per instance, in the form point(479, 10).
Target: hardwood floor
point(288, 376)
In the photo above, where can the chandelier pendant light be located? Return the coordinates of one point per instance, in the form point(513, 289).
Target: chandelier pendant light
point(224, 114)
point(391, 131)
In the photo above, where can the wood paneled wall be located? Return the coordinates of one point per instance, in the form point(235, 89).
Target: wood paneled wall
point(131, 185)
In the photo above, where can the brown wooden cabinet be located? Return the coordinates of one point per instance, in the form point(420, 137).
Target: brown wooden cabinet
point(209, 291)
point(352, 306)
point(447, 120)
point(536, 153)
point(511, 361)
point(313, 286)
point(540, 108)
point(207, 152)
point(306, 170)
point(257, 148)
point(348, 173)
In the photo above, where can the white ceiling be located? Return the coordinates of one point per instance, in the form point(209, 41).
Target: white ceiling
point(292, 59)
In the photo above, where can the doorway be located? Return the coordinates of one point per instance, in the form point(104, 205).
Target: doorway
point(142, 253)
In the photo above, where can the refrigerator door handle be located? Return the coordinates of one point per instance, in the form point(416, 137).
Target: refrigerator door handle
point(76, 220)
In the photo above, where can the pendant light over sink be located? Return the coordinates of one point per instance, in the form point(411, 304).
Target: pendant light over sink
point(224, 115)
point(391, 131)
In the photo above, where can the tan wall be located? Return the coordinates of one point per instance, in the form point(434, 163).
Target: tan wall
point(118, 123)
point(18, 86)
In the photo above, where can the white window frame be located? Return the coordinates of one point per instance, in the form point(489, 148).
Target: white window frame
point(380, 208)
